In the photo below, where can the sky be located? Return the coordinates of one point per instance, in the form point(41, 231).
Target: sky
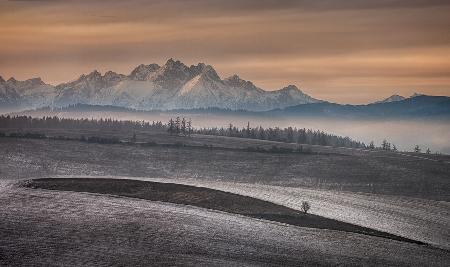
point(351, 51)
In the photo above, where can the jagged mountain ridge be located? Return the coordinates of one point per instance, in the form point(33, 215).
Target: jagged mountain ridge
point(171, 86)
point(32, 93)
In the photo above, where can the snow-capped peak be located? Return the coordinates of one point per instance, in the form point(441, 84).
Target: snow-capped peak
point(209, 71)
point(111, 76)
point(170, 86)
point(36, 81)
point(95, 74)
point(142, 71)
point(392, 98)
point(291, 87)
point(236, 82)
point(172, 64)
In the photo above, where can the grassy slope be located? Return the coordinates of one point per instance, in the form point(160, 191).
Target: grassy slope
point(205, 198)
point(302, 177)
point(48, 227)
point(332, 168)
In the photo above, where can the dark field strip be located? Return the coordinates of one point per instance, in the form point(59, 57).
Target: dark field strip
point(204, 198)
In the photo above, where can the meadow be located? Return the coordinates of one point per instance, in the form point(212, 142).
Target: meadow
point(400, 199)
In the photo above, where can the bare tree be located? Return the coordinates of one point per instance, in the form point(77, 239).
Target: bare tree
point(305, 206)
point(428, 151)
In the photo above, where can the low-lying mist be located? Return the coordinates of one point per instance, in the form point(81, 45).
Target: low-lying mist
point(404, 133)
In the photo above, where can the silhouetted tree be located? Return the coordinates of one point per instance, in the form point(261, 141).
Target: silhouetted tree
point(189, 127)
point(171, 127)
point(290, 135)
point(305, 206)
point(183, 126)
point(177, 125)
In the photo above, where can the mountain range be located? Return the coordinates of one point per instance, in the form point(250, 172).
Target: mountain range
point(416, 106)
point(152, 87)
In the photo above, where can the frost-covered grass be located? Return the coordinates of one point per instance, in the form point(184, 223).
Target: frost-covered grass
point(337, 169)
point(202, 197)
point(398, 194)
point(42, 228)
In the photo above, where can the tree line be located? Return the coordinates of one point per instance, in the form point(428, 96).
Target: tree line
point(180, 126)
point(70, 123)
point(287, 135)
point(183, 127)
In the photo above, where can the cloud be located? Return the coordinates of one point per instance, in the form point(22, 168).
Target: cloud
point(331, 47)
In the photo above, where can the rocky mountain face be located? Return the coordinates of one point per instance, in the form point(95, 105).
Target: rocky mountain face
point(171, 86)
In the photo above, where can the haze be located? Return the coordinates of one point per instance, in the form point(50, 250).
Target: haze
point(403, 133)
point(340, 51)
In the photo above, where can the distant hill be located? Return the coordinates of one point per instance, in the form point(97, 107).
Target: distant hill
point(415, 107)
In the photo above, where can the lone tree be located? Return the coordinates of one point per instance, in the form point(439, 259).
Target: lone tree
point(305, 206)
point(428, 151)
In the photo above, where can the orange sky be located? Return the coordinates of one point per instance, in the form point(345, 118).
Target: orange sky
point(349, 51)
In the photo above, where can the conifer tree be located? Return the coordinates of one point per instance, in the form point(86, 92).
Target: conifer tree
point(183, 126)
point(177, 125)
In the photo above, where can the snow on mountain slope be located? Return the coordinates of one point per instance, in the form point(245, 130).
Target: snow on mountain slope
point(392, 98)
point(141, 72)
point(8, 96)
point(31, 93)
point(171, 86)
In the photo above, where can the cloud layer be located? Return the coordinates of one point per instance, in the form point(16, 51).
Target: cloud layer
point(345, 51)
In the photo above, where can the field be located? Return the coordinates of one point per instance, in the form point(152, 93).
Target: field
point(48, 227)
point(391, 194)
point(204, 198)
point(226, 159)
